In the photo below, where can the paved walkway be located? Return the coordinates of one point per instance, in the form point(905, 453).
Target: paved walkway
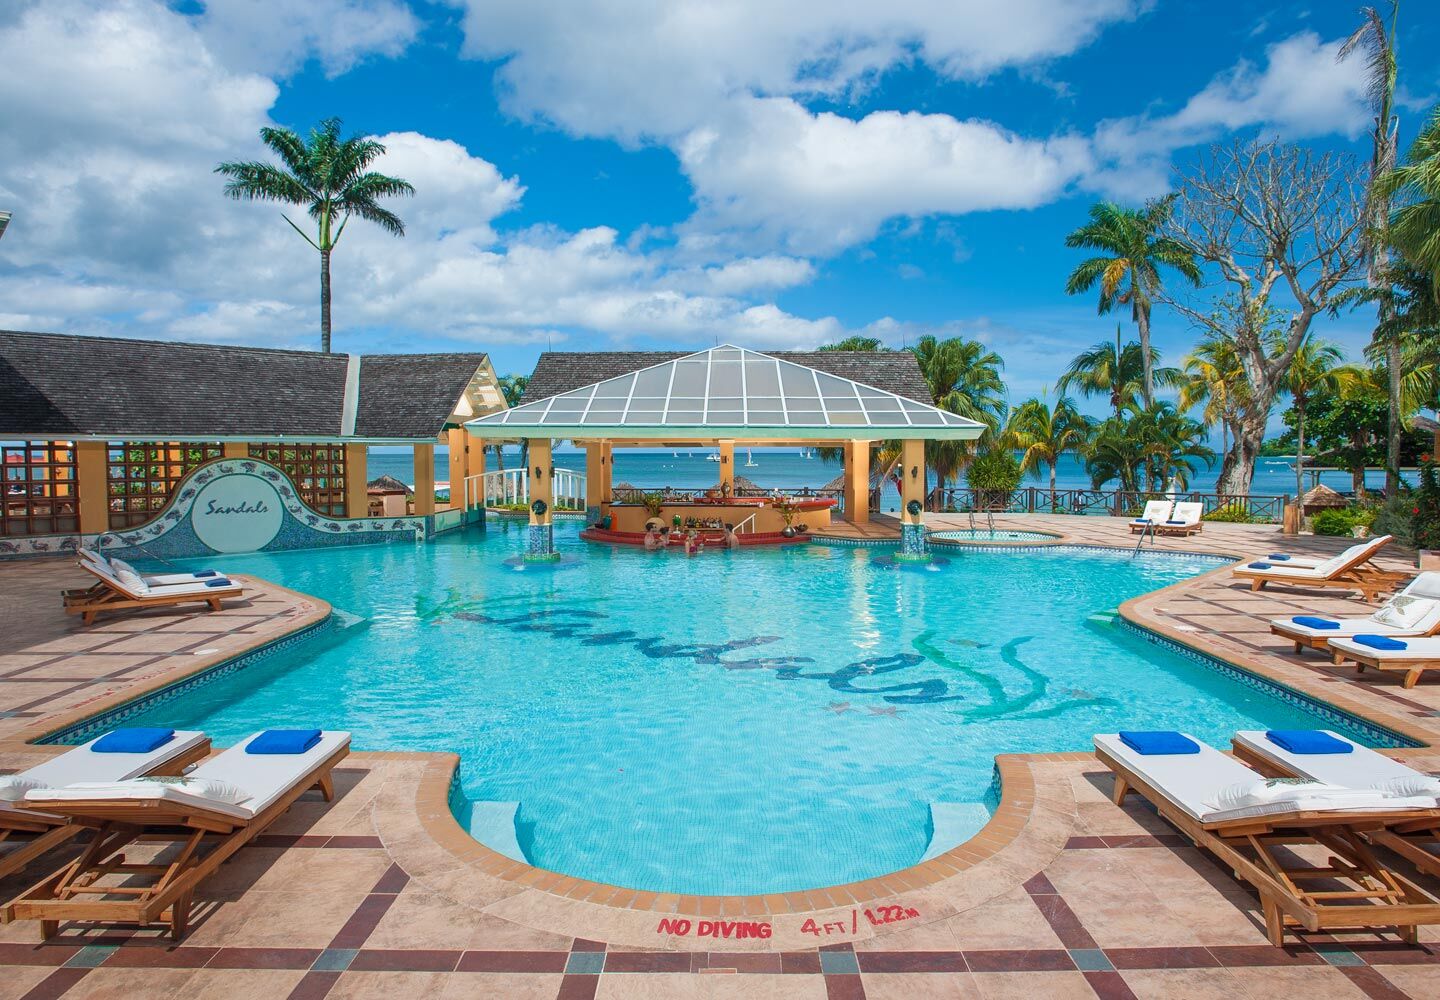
point(371, 896)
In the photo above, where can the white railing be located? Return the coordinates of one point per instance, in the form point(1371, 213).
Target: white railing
point(746, 527)
point(511, 486)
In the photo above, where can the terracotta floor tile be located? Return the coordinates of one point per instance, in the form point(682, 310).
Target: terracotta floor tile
point(386, 985)
point(1033, 986)
point(18, 980)
point(1183, 984)
point(665, 986)
point(1007, 922)
point(249, 984)
point(1416, 980)
point(127, 984)
point(519, 986)
point(1313, 983)
point(889, 986)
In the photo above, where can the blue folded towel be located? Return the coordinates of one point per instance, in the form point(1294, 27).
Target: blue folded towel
point(1307, 741)
point(1159, 743)
point(1177, 522)
point(1310, 621)
point(1261, 566)
point(204, 573)
point(1141, 520)
point(1278, 556)
point(221, 582)
point(283, 741)
point(1380, 642)
point(137, 740)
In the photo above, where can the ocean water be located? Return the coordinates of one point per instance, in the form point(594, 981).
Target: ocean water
point(786, 468)
point(735, 722)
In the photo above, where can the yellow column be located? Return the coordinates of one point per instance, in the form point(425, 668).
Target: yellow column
point(541, 472)
point(234, 449)
point(357, 501)
point(857, 482)
point(912, 474)
point(607, 468)
point(594, 475)
point(93, 485)
point(475, 466)
point(727, 467)
point(424, 479)
point(455, 441)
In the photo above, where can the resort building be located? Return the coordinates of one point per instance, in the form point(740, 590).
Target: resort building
point(98, 433)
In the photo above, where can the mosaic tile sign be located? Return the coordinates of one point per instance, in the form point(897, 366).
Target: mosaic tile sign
point(237, 513)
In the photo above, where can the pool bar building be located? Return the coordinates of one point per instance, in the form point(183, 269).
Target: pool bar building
point(725, 398)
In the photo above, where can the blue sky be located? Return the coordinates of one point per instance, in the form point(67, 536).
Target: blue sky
point(640, 175)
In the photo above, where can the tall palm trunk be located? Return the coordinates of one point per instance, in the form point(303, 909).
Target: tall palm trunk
point(1299, 448)
point(1392, 442)
point(1142, 320)
point(1053, 462)
point(325, 301)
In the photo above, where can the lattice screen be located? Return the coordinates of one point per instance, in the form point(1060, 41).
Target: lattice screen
point(142, 476)
point(41, 491)
point(318, 471)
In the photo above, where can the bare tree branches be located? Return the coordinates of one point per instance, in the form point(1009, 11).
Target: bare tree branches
point(1271, 222)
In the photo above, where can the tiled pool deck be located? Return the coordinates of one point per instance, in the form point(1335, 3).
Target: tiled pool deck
point(380, 893)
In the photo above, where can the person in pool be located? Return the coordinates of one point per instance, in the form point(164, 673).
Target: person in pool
point(732, 540)
point(652, 540)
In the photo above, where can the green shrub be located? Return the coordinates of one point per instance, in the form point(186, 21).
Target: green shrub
point(996, 470)
point(1231, 513)
point(1425, 513)
point(1396, 517)
point(1342, 520)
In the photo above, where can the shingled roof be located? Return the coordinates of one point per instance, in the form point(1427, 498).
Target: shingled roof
point(562, 371)
point(54, 385)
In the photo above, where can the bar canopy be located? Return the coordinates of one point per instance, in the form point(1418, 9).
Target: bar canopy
point(727, 392)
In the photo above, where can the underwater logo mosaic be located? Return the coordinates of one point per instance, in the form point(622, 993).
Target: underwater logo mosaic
point(992, 685)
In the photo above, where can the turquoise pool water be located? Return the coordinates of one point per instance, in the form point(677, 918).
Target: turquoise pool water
point(760, 721)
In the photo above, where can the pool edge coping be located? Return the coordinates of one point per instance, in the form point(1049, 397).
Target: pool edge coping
point(563, 898)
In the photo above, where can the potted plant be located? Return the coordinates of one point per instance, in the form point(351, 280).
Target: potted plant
point(788, 512)
point(653, 503)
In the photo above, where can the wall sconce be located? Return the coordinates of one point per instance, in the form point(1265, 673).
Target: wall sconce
point(539, 473)
point(914, 472)
point(724, 459)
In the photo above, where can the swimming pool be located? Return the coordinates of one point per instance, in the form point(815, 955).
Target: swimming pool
point(758, 721)
point(982, 536)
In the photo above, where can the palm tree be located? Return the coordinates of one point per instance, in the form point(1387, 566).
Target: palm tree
point(1158, 440)
point(1115, 370)
point(1113, 453)
point(1215, 379)
point(326, 176)
point(964, 378)
point(855, 344)
point(1415, 225)
point(512, 387)
point(1044, 433)
point(1132, 246)
point(1379, 48)
point(1318, 369)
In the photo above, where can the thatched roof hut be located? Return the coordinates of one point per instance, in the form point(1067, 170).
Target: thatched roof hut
point(1322, 497)
point(387, 484)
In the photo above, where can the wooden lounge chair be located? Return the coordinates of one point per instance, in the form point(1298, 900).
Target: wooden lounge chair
point(25, 834)
point(1154, 515)
point(1415, 611)
point(126, 591)
point(1184, 521)
point(1419, 655)
point(206, 825)
point(117, 566)
point(1362, 767)
point(1244, 839)
point(1348, 571)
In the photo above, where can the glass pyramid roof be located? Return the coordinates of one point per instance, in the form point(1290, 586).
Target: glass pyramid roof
point(731, 390)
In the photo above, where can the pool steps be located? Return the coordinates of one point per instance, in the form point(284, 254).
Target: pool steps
point(493, 824)
point(953, 823)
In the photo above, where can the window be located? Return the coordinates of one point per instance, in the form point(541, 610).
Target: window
point(41, 490)
point(141, 476)
point(317, 470)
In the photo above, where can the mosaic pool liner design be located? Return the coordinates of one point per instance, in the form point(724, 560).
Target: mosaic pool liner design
point(979, 536)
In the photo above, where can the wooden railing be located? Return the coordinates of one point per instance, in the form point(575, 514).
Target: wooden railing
point(1114, 503)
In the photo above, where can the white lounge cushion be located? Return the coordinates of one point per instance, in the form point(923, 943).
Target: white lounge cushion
point(1187, 513)
point(118, 566)
point(1406, 612)
point(1156, 511)
point(1348, 627)
point(1421, 648)
point(1362, 767)
point(266, 777)
point(131, 581)
point(203, 788)
point(83, 764)
point(14, 786)
point(1273, 791)
point(195, 587)
point(1411, 785)
point(1190, 782)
